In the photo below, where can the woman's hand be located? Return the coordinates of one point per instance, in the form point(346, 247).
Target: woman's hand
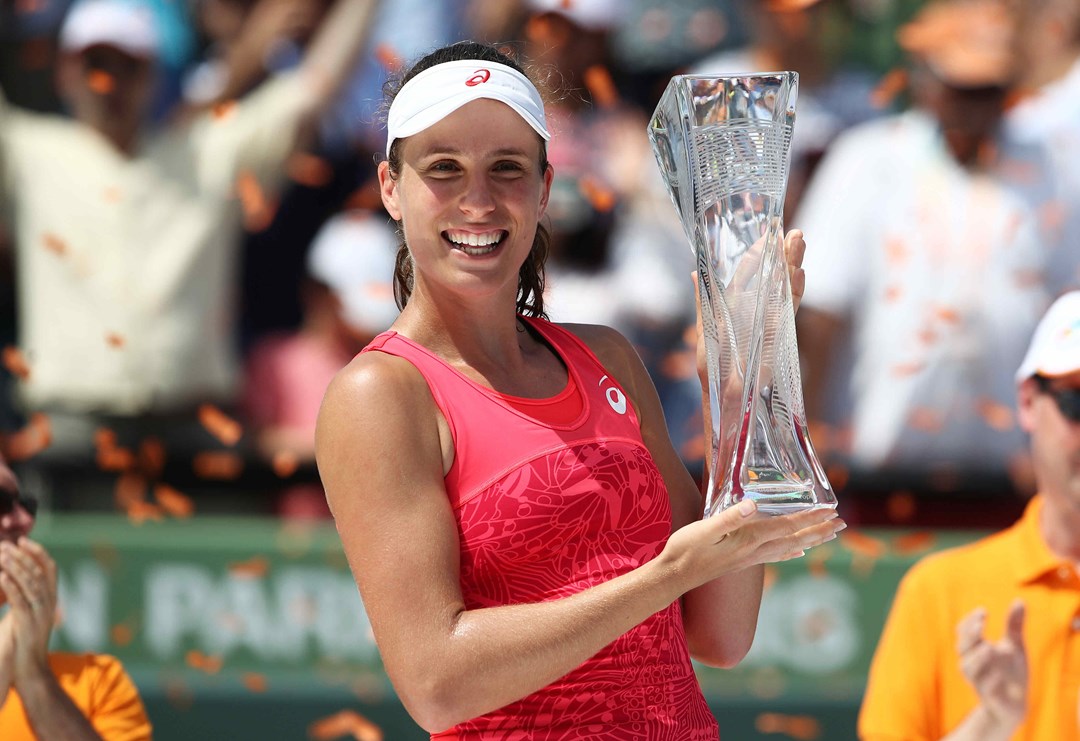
point(740, 537)
point(794, 249)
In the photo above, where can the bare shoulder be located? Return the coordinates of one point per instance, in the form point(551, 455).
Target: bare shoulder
point(376, 407)
point(370, 386)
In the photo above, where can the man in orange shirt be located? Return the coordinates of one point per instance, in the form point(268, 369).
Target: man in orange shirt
point(983, 642)
point(50, 696)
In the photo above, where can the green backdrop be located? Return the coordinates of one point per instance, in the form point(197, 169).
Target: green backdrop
point(247, 629)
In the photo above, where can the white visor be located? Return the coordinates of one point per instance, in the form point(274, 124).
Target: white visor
point(438, 91)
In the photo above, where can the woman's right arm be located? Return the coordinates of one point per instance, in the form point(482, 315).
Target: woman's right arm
point(380, 456)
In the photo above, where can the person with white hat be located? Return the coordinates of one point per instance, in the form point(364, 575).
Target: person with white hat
point(527, 543)
point(126, 234)
point(930, 273)
point(982, 641)
point(347, 299)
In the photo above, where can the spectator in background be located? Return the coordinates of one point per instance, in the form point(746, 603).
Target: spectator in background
point(1041, 134)
point(51, 696)
point(126, 239)
point(927, 268)
point(794, 35)
point(348, 299)
point(981, 641)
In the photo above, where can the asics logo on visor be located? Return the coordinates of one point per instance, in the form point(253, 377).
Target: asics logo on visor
point(480, 76)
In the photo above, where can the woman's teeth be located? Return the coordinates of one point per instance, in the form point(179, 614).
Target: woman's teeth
point(475, 244)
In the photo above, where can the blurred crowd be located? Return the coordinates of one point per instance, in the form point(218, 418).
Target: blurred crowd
point(192, 243)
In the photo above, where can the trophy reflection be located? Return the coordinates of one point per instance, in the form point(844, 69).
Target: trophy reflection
point(722, 144)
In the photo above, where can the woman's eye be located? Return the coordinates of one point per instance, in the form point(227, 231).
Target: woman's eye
point(509, 167)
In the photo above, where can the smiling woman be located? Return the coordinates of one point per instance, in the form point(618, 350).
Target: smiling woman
point(526, 540)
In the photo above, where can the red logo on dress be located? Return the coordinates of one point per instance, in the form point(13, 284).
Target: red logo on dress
point(481, 75)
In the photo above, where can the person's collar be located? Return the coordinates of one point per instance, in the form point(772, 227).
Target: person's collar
point(1035, 559)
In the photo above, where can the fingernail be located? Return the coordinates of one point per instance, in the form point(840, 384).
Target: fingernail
point(746, 508)
point(841, 526)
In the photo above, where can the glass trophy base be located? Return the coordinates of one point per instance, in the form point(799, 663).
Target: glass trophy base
point(780, 499)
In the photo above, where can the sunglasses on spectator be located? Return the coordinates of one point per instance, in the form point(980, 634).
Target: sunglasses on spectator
point(1067, 398)
point(8, 500)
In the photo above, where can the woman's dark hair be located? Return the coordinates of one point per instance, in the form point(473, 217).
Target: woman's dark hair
point(530, 298)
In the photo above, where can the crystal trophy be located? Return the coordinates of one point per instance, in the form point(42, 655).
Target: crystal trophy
point(722, 144)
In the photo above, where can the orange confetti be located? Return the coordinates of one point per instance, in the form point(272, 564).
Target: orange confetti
point(800, 727)
point(100, 82)
point(220, 425)
point(308, 170)
point(285, 463)
point(122, 634)
point(1052, 215)
point(896, 252)
point(203, 662)
point(926, 419)
point(927, 336)
point(998, 416)
point(862, 544)
point(130, 490)
point(140, 512)
point(254, 568)
point(893, 293)
point(15, 362)
point(115, 340)
point(173, 502)
point(110, 456)
point(889, 88)
point(258, 213)
point(1028, 278)
point(115, 459)
point(597, 193)
point(903, 370)
point(224, 110)
point(54, 244)
point(389, 58)
point(346, 722)
point(33, 438)
point(900, 506)
point(912, 543)
point(947, 314)
point(219, 465)
point(601, 87)
point(151, 456)
point(255, 682)
point(112, 195)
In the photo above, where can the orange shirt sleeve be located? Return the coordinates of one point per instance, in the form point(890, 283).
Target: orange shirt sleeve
point(901, 701)
point(116, 710)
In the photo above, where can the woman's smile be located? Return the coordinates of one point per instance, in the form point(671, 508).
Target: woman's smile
point(475, 244)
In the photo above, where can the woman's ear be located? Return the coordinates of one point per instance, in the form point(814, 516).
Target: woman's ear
point(388, 189)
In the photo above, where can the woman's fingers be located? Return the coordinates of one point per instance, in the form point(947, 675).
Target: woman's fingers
point(794, 248)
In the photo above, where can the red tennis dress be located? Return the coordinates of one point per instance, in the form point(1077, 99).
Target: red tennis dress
point(553, 496)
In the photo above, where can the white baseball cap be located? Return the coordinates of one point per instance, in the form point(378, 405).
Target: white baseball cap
point(1055, 346)
point(122, 24)
point(354, 254)
point(594, 15)
point(438, 91)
